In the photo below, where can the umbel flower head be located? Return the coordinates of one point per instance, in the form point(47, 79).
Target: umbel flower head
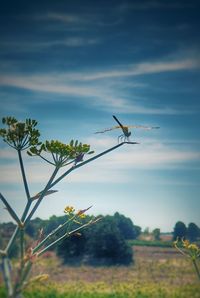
point(191, 250)
point(62, 154)
point(20, 135)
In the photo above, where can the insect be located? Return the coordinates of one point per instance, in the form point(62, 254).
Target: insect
point(125, 128)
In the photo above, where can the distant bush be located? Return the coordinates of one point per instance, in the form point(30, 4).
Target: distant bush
point(193, 232)
point(107, 243)
point(102, 244)
point(72, 250)
point(180, 230)
point(126, 226)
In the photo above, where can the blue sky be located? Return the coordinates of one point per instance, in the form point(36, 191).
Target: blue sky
point(72, 65)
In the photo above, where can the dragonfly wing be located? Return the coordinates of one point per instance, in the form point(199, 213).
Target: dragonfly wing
point(144, 127)
point(108, 129)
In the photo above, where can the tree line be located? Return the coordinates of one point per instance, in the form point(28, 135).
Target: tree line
point(190, 232)
point(103, 243)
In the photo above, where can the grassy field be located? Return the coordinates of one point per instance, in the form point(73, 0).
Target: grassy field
point(157, 272)
point(154, 243)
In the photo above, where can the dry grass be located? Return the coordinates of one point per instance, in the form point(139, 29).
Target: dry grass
point(151, 265)
point(157, 273)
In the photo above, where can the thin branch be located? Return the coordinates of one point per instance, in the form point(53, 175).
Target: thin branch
point(10, 210)
point(11, 241)
point(196, 268)
point(22, 247)
point(85, 162)
point(24, 215)
point(7, 276)
point(47, 160)
point(49, 192)
point(23, 175)
point(42, 195)
point(23, 274)
point(57, 241)
point(25, 141)
point(54, 232)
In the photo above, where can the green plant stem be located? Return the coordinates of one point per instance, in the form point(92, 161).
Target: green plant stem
point(17, 229)
point(54, 232)
point(196, 268)
point(11, 241)
point(87, 161)
point(26, 210)
point(23, 274)
point(22, 246)
point(7, 276)
point(42, 195)
point(10, 210)
point(57, 241)
point(23, 174)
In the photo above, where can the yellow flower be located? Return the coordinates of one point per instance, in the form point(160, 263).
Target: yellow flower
point(186, 243)
point(69, 209)
point(193, 247)
point(81, 215)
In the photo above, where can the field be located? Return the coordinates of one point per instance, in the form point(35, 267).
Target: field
point(157, 272)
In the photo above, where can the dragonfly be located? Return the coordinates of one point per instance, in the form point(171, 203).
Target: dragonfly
point(125, 129)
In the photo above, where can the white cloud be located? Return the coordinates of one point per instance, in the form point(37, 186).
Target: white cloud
point(62, 17)
point(65, 18)
point(110, 168)
point(143, 69)
point(24, 47)
point(39, 83)
point(88, 85)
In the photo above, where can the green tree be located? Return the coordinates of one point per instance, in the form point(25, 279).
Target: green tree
point(137, 230)
point(125, 226)
point(103, 243)
point(180, 230)
point(107, 243)
point(193, 232)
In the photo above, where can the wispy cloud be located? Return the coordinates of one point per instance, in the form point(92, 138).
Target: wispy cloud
point(88, 85)
point(44, 84)
point(151, 153)
point(94, 95)
point(144, 68)
point(68, 19)
point(61, 17)
point(37, 45)
point(110, 168)
point(78, 20)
